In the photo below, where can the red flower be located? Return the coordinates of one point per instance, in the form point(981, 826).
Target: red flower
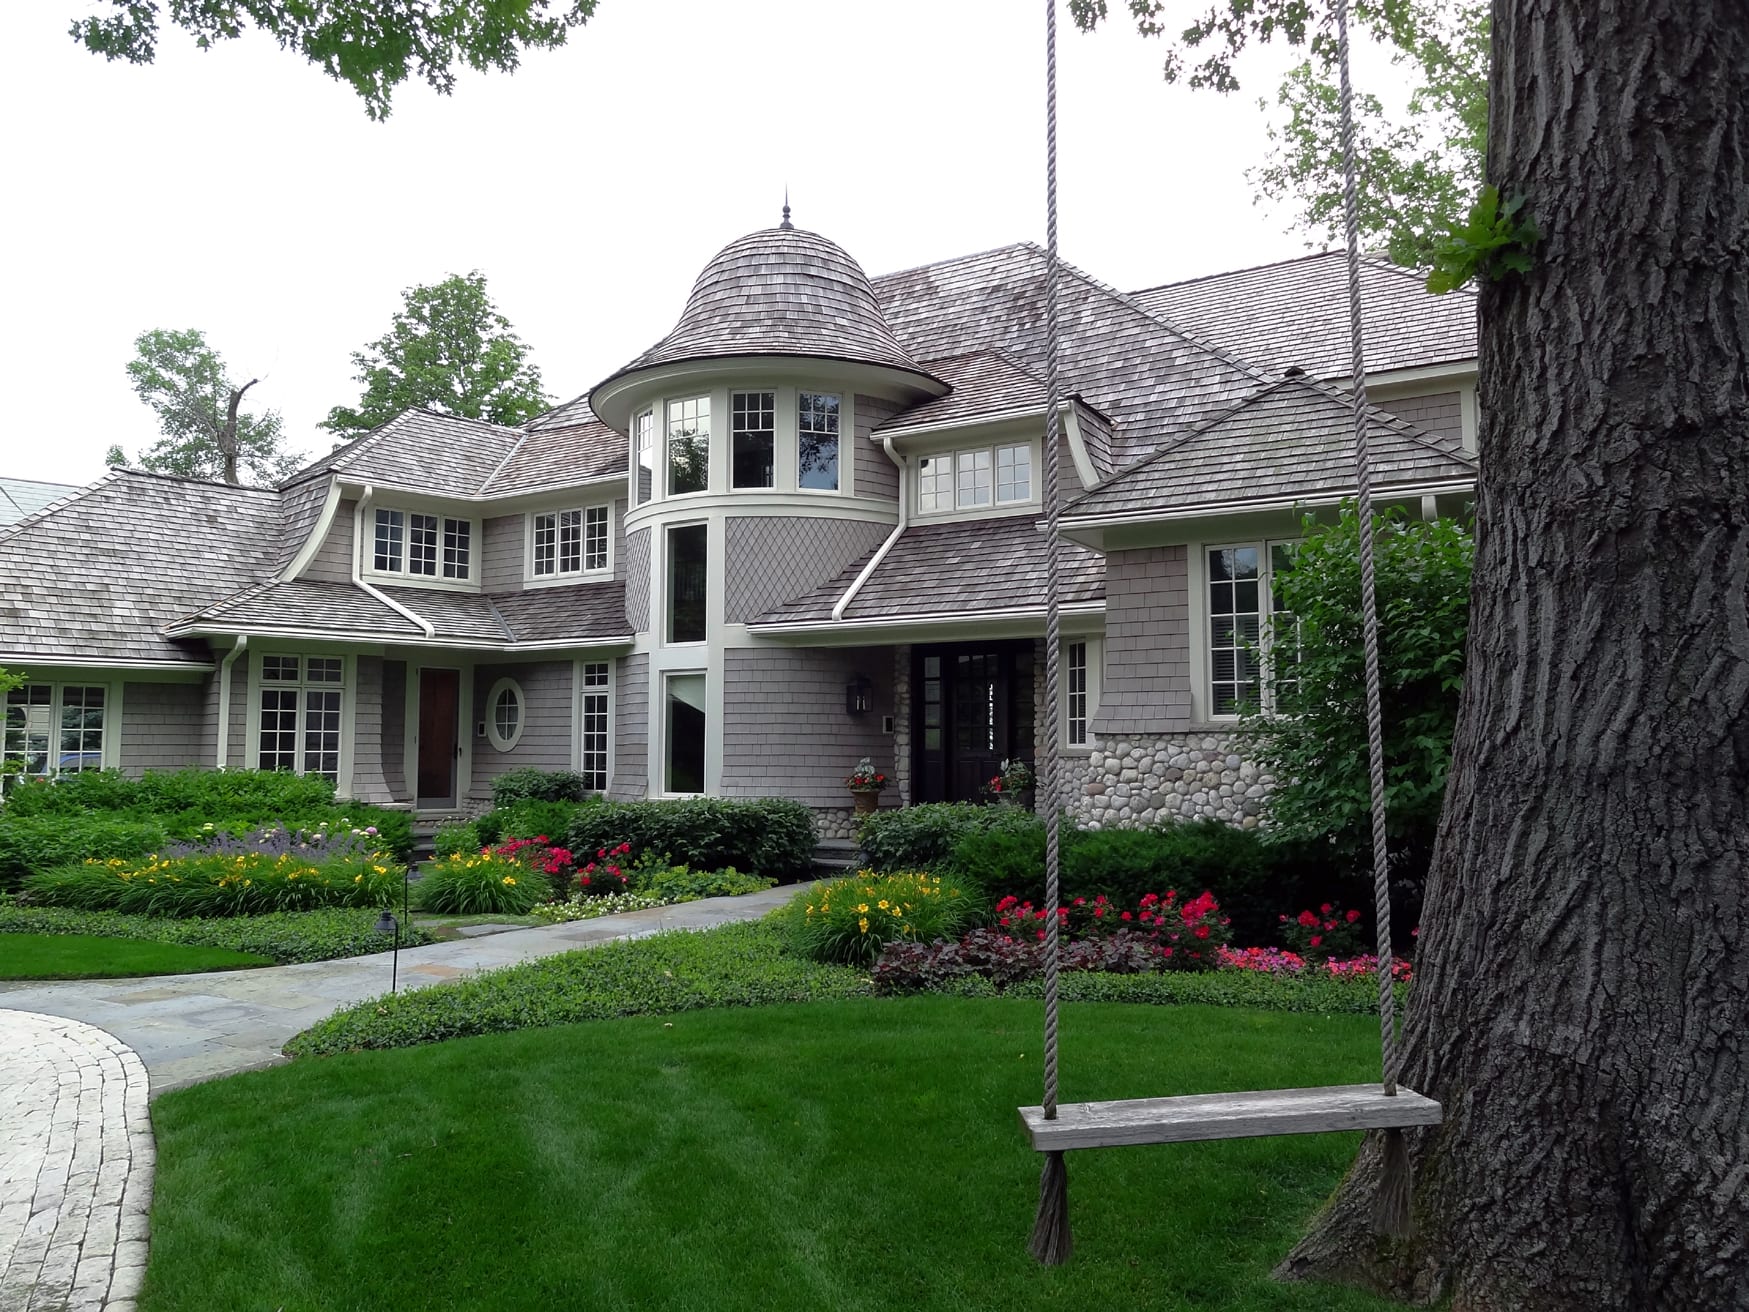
point(1315, 940)
point(1326, 908)
point(1353, 916)
point(1308, 920)
point(1201, 931)
point(1125, 916)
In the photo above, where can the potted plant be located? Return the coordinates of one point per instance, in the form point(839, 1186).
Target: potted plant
point(865, 784)
point(1012, 785)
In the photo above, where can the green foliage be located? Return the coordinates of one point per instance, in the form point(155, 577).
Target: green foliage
point(734, 966)
point(677, 883)
point(457, 836)
point(29, 843)
point(527, 784)
point(1314, 991)
point(528, 818)
point(86, 956)
point(286, 937)
point(1493, 242)
point(449, 349)
point(769, 837)
point(479, 883)
point(1315, 743)
point(851, 919)
point(218, 885)
point(370, 46)
point(205, 433)
point(923, 837)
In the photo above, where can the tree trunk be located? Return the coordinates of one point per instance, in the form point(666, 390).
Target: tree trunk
point(1582, 998)
point(229, 446)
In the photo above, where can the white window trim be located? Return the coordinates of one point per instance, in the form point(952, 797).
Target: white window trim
point(711, 451)
point(659, 785)
point(110, 752)
point(1201, 622)
point(348, 686)
point(661, 618)
point(532, 580)
point(367, 550)
point(493, 736)
point(996, 505)
point(783, 407)
point(846, 451)
point(1095, 685)
point(580, 693)
point(656, 474)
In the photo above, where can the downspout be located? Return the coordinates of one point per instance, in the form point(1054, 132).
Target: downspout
point(358, 555)
point(222, 749)
point(874, 563)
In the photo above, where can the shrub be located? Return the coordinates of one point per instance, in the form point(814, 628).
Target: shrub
point(254, 796)
point(923, 837)
point(604, 875)
point(480, 883)
point(768, 836)
point(850, 920)
point(34, 842)
point(530, 785)
point(207, 884)
point(1327, 932)
point(529, 818)
point(287, 937)
point(1186, 933)
point(457, 836)
point(674, 883)
point(394, 829)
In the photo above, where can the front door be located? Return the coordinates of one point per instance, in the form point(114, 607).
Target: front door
point(973, 710)
point(439, 737)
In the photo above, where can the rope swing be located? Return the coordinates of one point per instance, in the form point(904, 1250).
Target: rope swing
point(1054, 1128)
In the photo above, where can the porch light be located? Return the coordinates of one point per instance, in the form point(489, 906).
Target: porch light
point(858, 695)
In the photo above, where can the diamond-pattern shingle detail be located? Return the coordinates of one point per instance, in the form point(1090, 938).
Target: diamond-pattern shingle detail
point(638, 579)
point(773, 558)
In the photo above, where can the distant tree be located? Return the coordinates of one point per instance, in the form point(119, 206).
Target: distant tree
point(450, 349)
point(206, 433)
point(370, 45)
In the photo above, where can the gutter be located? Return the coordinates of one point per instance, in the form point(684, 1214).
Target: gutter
point(222, 748)
point(874, 563)
point(357, 576)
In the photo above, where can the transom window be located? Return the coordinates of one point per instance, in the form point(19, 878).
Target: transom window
point(592, 753)
point(422, 545)
point(301, 699)
point(1241, 598)
point(570, 541)
point(753, 439)
point(977, 477)
point(55, 728)
point(643, 440)
point(817, 441)
point(689, 445)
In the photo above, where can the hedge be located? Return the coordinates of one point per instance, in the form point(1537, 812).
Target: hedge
point(923, 837)
point(765, 836)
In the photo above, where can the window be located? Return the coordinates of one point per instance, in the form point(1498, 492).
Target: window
point(689, 445)
point(592, 747)
point(1075, 691)
point(425, 546)
point(1248, 630)
point(684, 721)
point(570, 541)
point(817, 441)
point(506, 712)
point(981, 476)
point(687, 557)
point(300, 714)
point(752, 438)
point(643, 438)
point(55, 728)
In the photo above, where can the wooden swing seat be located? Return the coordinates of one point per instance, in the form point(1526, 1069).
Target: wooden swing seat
point(1227, 1116)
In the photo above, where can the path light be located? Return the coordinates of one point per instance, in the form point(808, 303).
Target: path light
point(387, 924)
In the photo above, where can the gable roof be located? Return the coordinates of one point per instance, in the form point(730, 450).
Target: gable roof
point(21, 498)
point(1295, 312)
point(1292, 439)
point(422, 450)
point(986, 385)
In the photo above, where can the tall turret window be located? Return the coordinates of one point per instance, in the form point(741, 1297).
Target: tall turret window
point(644, 437)
point(689, 445)
point(817, 441)
point(753, 438)
point(687, 588)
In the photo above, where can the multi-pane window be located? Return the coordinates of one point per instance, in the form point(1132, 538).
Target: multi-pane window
point(1014, 473)
point(55, 728)
point(684, 733)
point(300, 706)
point(427, 546)
point(935, 483)
point(971, 479)
point(643, 440)
point(689, 445)
point(687, 558)
point(1253, 641)
point(817, 441)
point(1075, 693)
point(1282, 637)
point(570, 541)
point(592, 750)
point(753, 439)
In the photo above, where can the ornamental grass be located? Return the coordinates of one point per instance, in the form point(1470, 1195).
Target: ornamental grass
point(850, 920)
point(213, 884)
point(492, 882)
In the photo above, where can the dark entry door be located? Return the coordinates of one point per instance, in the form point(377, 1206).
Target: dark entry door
point(439, 702)
point(973, 710)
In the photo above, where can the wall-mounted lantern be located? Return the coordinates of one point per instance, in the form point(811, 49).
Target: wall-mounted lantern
point(859, 695)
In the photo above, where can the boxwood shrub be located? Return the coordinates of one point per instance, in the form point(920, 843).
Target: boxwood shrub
point(923, 837)
point(768, 837)
point(527, 784)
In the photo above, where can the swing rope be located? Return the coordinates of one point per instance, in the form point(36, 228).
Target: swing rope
point(1051, 1240)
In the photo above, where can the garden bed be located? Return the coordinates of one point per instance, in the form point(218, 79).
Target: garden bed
point(284, 937)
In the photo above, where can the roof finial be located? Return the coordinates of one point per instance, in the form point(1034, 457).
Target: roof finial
point(786, 225)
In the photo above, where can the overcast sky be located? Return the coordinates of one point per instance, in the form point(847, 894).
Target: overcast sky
point(242, 192)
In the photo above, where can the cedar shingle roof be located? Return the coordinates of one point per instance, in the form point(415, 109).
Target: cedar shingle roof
point(960, 569)
point(312, 604)
point(986, 384)
point(558, 455)
point(1292, 439)
point(582, 610)
point(1296, 312)
point(423, 450)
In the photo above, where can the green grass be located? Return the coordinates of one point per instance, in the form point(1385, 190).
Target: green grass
point(86, 956)
point(283, 937)
point(860, 1154)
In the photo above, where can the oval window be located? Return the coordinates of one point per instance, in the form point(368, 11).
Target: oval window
point(504, 714)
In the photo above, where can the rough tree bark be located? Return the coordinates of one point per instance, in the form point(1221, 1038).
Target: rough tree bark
point(1582, 1002)
point(226, 435)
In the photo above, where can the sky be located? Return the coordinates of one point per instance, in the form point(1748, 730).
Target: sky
point(242, 192)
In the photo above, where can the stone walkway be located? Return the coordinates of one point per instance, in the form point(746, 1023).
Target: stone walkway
point(75, 1167)
point(188, 1028)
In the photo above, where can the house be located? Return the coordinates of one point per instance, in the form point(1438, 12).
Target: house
point(803, 528)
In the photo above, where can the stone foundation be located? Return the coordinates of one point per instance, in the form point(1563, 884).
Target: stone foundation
point(834, 822)
point(1125, 783)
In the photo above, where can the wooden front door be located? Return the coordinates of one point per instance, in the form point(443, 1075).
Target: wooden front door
point(439, 735)
point(972, 710)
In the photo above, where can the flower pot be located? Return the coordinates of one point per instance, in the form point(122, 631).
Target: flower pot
point(867, 800)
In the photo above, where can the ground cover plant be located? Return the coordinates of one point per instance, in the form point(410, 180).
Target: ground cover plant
point(856, 1154)
point(88, 956)
point(284, 937)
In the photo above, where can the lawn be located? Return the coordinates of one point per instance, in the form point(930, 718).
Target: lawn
point(88, 956)
point(853, 1154)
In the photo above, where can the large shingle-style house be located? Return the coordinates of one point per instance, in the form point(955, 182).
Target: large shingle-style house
point(803, 528)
